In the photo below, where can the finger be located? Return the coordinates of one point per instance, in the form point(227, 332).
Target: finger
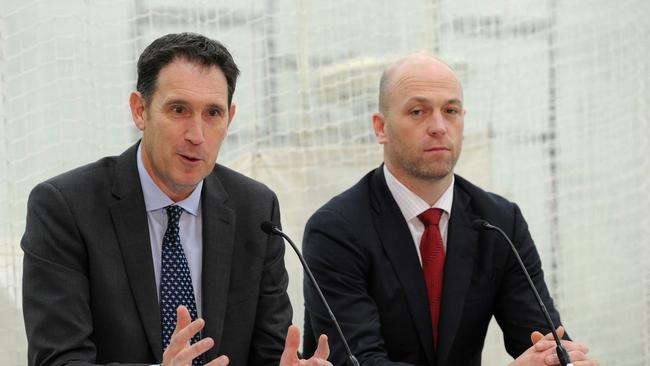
point(575, 346)
point(186, 356)
point(573, 356)
point(181, 338)
point(586, 363)
point(536, 337)
point(183, 318)
point(549, 336)
point(291, 344)
point(323, 349)
point(544, 345)
point(559, 331)
point(317, 362)
point(577, 356)
point(219, 361)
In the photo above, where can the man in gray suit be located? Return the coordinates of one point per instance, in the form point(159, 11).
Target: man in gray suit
point(156, 256)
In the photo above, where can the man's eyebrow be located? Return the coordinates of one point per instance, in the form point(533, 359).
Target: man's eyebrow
point(455, 101)
point(426, 100)
point(418, 99)
point(185, 102)
point(175, 101)
point(215, 105)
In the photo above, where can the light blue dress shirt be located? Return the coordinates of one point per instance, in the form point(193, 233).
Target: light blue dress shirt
point(190, 227)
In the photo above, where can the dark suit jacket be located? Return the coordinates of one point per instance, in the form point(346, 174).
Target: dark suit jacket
point(89, 293)
point(362, 254)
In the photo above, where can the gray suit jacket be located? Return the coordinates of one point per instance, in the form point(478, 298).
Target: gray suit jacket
point(89, 293)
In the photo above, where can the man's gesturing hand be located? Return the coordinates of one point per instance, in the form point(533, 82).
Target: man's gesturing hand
point(290, 354)
point(179, 351)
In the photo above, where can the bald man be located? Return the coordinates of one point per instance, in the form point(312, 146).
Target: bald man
point(408, 277)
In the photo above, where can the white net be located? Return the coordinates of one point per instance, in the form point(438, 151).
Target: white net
point(558, 121)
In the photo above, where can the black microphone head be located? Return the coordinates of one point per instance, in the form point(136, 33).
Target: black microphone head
point(480, 224)
point(268, 227)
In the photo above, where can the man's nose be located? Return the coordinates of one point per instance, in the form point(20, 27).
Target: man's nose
point(194, 133)
point(436, 124)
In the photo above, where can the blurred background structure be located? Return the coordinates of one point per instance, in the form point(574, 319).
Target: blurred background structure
point(558, 120)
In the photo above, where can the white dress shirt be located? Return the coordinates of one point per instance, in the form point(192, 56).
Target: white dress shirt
point(411, 205)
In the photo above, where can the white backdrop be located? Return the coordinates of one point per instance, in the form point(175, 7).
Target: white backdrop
point(558, 121)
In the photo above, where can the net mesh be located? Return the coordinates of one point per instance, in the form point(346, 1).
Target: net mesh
point(557, 99)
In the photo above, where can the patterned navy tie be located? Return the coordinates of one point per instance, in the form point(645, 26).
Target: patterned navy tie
point(175, 280)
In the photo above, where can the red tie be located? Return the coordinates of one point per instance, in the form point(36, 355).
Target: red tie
point(432, 252)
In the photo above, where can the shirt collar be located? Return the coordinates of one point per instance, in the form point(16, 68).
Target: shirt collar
point(155, 199)
point(410, 203)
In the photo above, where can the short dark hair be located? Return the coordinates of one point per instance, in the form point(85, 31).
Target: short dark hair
point(192, 47)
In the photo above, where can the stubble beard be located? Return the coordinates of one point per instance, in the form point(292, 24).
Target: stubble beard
point(420, 169)
point(429, 172)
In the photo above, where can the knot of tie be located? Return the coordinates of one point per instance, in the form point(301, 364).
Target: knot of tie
point(430, 216)
point(173, 215)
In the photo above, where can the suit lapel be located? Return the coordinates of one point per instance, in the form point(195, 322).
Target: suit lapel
point(130, 219)
point(462, 246)
point(218, 245)
point(398, 244)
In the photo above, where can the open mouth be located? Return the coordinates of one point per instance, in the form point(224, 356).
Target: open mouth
point(190, 159)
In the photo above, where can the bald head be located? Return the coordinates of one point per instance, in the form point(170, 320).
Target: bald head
point(406, 64)
point(420, 123)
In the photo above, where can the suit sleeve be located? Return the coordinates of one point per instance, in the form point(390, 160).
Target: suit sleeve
point(517, 311)
point(56, 293)
point(341, 267)
point(274, 310)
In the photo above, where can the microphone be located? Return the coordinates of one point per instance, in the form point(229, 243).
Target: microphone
point(271, 229)
point(563, 356)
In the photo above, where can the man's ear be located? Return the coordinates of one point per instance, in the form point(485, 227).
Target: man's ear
point(137, 104)
point(231, 113)
point(379, 125)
